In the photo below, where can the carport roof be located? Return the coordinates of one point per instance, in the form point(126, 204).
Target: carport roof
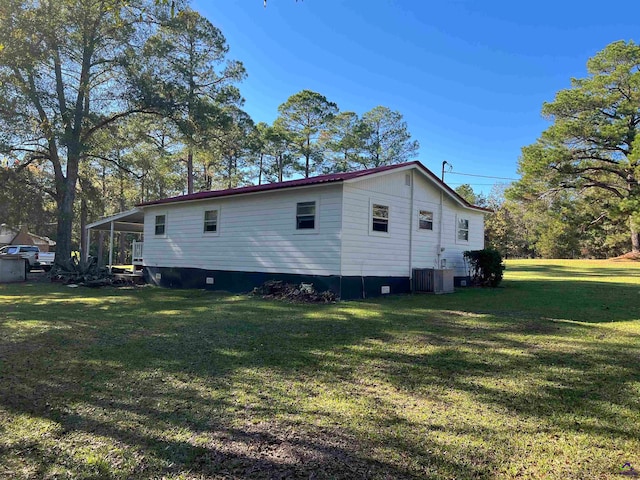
point(131, 221)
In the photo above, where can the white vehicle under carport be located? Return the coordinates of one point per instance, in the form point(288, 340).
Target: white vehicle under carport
point(46, 260)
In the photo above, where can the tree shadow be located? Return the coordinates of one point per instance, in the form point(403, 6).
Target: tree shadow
point(214, 385)
point(139, 378)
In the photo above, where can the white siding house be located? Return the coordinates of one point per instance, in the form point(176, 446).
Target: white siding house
point(253, 233)
point(352, 232)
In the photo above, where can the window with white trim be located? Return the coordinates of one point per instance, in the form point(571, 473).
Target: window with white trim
point(161, 224)
point(425, 220)
point(379, 218)
point(463, 230)
point(210, 221)
point(306, 215)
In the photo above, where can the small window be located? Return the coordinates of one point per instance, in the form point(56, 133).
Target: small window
point(210, 221)
point(463, 230)
point(161, 224)
point(306, 216)
point(425, 220)
point(380, 218)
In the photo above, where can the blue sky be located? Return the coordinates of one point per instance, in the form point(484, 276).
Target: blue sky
point(469, 76)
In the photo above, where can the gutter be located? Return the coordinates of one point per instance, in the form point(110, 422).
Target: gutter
point(439, 252)
point(411, 215)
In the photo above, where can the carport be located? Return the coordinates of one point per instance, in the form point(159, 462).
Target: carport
point(131, 221)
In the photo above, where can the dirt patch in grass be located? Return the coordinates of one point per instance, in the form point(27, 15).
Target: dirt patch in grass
point(632, 256)
point(271, 450)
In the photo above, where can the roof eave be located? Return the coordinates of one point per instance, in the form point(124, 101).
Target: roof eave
point(431, 176)
point(296, 186)
point(173, 200)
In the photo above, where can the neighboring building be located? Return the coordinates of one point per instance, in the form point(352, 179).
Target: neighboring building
point(353, 233)
point(20, 236)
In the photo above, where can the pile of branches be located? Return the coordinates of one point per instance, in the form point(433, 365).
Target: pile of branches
point(82, 272)
point(303, 293)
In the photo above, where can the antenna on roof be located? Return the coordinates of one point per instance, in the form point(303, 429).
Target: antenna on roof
point(450, 168)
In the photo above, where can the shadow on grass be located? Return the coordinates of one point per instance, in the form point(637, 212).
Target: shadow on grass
point(141, 379)
point(187, 382)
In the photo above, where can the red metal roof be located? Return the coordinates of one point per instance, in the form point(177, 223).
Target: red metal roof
point(322, 179)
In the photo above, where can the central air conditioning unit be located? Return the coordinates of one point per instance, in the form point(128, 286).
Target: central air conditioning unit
point(433, 280)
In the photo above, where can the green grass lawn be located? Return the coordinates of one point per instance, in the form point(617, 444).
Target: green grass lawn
point(537, 379)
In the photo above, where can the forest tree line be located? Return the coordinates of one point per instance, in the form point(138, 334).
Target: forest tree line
point(107, 104)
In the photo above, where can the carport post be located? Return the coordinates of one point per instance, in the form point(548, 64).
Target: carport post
point(111, 246)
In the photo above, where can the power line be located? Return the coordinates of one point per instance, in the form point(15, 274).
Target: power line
point(472, 184)
point(482, 176)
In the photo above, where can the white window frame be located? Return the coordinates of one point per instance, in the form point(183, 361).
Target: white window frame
point(155, 224)
point(460, 218)
point(316, 220)
point(381, 203)
point(211, 208)
point(433, 218)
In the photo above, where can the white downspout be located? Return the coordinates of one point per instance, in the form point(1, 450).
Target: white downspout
point(439, 252)
point(411, 214)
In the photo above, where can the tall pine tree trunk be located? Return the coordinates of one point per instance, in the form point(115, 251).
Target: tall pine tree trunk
point(122, 236)
point(635, 237)
point(633, 190)
point(190, 171)
point(307, 156)
point(122, 248)
point(101, 235)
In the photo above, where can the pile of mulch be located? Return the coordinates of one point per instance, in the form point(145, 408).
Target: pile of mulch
point(87, 281)
point(634, 256)
point(302, 293)
point(108, 281)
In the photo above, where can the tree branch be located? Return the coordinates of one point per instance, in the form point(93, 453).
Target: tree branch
point(597, 184)
point(107, 121)
point(116, 163)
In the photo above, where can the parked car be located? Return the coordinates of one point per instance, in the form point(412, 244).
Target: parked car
point(46, 260)
point(30, 253)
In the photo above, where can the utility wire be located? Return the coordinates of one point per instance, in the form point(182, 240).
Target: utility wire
point(483, 176)
point(472, 184)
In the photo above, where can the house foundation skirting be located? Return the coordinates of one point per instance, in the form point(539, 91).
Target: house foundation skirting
point(347, 287)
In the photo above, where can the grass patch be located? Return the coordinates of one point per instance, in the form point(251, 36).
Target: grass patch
point(537, 379)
